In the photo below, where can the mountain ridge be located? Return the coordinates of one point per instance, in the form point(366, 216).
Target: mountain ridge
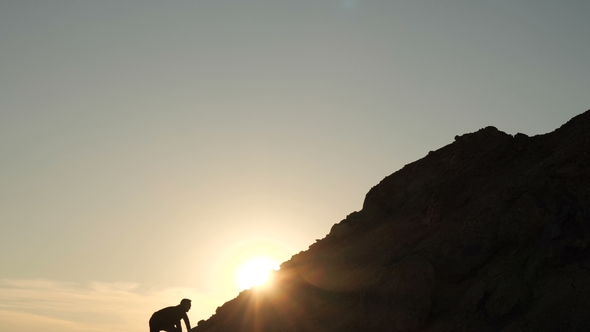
point(490, 232)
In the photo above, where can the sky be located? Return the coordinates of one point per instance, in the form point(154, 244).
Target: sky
point(148, 148)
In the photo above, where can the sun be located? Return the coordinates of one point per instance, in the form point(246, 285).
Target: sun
point(255, 272)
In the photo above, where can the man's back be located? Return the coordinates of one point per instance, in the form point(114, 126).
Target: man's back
point(169, 315)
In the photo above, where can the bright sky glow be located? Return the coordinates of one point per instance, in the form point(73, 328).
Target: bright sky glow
point(162, 144)
point(255, 272)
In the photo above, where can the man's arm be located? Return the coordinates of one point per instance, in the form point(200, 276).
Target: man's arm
point(186, 322)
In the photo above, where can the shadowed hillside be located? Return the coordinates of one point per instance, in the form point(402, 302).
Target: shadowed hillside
point(489, 233)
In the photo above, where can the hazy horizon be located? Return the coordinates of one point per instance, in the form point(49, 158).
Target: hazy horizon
point(151, 147)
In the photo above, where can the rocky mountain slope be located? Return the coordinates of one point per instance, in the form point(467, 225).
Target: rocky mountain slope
point(489, 233)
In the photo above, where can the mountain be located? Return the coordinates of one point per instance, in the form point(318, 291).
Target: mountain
point(488, 233)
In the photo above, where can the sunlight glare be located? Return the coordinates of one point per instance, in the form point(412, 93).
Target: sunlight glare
point(255, 272)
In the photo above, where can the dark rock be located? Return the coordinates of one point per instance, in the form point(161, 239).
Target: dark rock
point(475, 296)
point(407, 291)
point(507, 297)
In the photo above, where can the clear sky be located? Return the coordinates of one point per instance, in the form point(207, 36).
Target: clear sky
point(148, 148)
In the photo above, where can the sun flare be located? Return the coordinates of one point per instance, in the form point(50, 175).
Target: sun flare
point(255, 272)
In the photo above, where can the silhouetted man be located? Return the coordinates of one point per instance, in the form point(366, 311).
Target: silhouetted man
point(168, 319)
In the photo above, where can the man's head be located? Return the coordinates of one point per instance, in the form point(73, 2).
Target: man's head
point(186, 303)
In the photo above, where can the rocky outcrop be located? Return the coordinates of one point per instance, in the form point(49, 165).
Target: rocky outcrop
point(489, 233)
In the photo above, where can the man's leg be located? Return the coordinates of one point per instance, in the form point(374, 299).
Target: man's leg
point(170, 328)
point(154, 328)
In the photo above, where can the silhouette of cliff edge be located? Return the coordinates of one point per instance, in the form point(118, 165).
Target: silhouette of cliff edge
point(488, 233)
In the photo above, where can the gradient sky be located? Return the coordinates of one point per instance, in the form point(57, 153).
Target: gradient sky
point(147, 147)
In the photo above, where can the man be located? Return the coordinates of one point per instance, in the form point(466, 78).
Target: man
point(168, 319)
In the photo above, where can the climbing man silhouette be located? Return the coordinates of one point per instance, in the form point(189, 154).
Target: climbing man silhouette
point(168, 319)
